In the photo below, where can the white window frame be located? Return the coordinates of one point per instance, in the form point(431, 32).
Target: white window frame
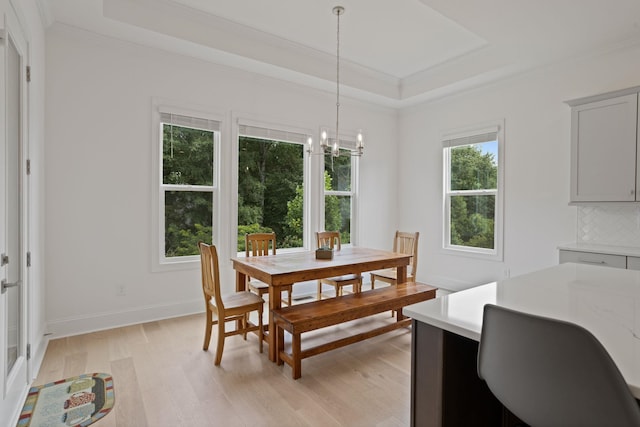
point(349, 144)
point(159, 261)
point(470, 136)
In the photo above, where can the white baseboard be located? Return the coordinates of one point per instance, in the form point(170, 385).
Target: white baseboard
point(68, 326)
point(11, 419)
point(37, 355)
point(76, 325)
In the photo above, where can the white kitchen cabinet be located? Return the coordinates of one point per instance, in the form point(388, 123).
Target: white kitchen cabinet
point(633, 263)
point(604, 148)
point(606, 260)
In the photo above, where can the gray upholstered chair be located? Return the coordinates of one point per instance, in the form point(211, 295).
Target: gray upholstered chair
point(552, 373)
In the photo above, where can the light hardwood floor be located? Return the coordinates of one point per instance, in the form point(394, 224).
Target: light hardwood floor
point(163, 377)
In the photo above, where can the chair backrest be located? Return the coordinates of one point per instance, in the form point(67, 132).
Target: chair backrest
point(258, 244)
point(330, 239)
point(210, 274)
point(407, 243)
point(552, 373)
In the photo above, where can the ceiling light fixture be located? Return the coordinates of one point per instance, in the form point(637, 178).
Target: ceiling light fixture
point(328, 146)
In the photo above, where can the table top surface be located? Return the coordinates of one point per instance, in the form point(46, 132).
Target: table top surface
point(350, 258)
point(604, 300)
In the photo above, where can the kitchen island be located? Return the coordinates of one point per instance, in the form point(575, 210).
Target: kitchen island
point(445, 389)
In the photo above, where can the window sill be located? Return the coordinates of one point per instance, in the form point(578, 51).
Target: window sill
point(477, 253)
point(183, 263)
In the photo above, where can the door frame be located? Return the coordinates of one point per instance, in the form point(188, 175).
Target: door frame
point(14, 385)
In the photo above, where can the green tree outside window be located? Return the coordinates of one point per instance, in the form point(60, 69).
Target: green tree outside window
point(472, 215)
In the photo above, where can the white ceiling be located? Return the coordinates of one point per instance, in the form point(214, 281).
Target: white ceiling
point(394, 53)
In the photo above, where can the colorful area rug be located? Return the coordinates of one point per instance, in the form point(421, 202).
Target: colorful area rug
point(78, 401)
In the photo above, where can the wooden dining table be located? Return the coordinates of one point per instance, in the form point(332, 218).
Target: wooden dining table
point(288, 268)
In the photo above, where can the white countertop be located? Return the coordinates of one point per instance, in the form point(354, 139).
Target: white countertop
point(604, 300)
point(601, 249)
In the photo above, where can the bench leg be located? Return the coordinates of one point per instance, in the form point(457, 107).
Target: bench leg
point(296, 369)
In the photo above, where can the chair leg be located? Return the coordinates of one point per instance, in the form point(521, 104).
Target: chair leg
point(319, 290)
point(221, 333)
point(393, 312)
point(289, 295)
point(207, 329)
point(373, 281)
point(260, 328)
point(245, 323)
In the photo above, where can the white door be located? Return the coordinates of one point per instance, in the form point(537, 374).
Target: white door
point(13, 232)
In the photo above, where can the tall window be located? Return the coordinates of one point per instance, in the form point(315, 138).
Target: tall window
point(188, 188)
point(271, 187)
point(473, 192)
point(339, 191)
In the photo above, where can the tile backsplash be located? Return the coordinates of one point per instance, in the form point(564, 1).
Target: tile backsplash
point(617, 225)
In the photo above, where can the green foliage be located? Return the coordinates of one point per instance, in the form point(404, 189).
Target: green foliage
point(471, 169)
point(472, 216)
point(270, 182)
point(339, 171)
point(337, 209)
point(187, 159)
point(332, 217)
point(293, 226)
point(184, 242)
point(187, 156)
point(270, 190)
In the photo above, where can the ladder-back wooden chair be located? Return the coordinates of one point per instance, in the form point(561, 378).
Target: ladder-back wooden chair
point(331, 239)
point(404, 243)
point(227, 308)
point(258, 244)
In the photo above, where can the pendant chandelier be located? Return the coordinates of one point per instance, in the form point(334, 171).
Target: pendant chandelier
point(328, 146)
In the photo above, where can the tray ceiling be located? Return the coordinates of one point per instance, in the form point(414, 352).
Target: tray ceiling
point(393, 53)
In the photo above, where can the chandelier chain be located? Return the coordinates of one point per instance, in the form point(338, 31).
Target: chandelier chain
point(325, 140)
point(337, 141)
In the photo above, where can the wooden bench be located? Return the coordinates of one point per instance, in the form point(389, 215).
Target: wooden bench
point(302, 318)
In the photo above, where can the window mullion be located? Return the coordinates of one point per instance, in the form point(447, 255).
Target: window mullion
point(338, 193)
point(487, 192)
point(174, 187)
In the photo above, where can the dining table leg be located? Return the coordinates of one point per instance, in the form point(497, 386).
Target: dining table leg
point(401, 277)
point(241, 285)
point(276, 341)
point(241, 281)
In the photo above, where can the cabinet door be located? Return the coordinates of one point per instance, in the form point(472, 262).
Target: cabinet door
point(633, 263)
point(603, 150)
point(605, 260)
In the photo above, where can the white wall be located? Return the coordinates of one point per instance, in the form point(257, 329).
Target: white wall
point(98, 176)
point(537, 140)
point(98, 179)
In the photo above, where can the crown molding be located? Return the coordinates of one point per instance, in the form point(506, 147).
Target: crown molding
point(46, 13)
